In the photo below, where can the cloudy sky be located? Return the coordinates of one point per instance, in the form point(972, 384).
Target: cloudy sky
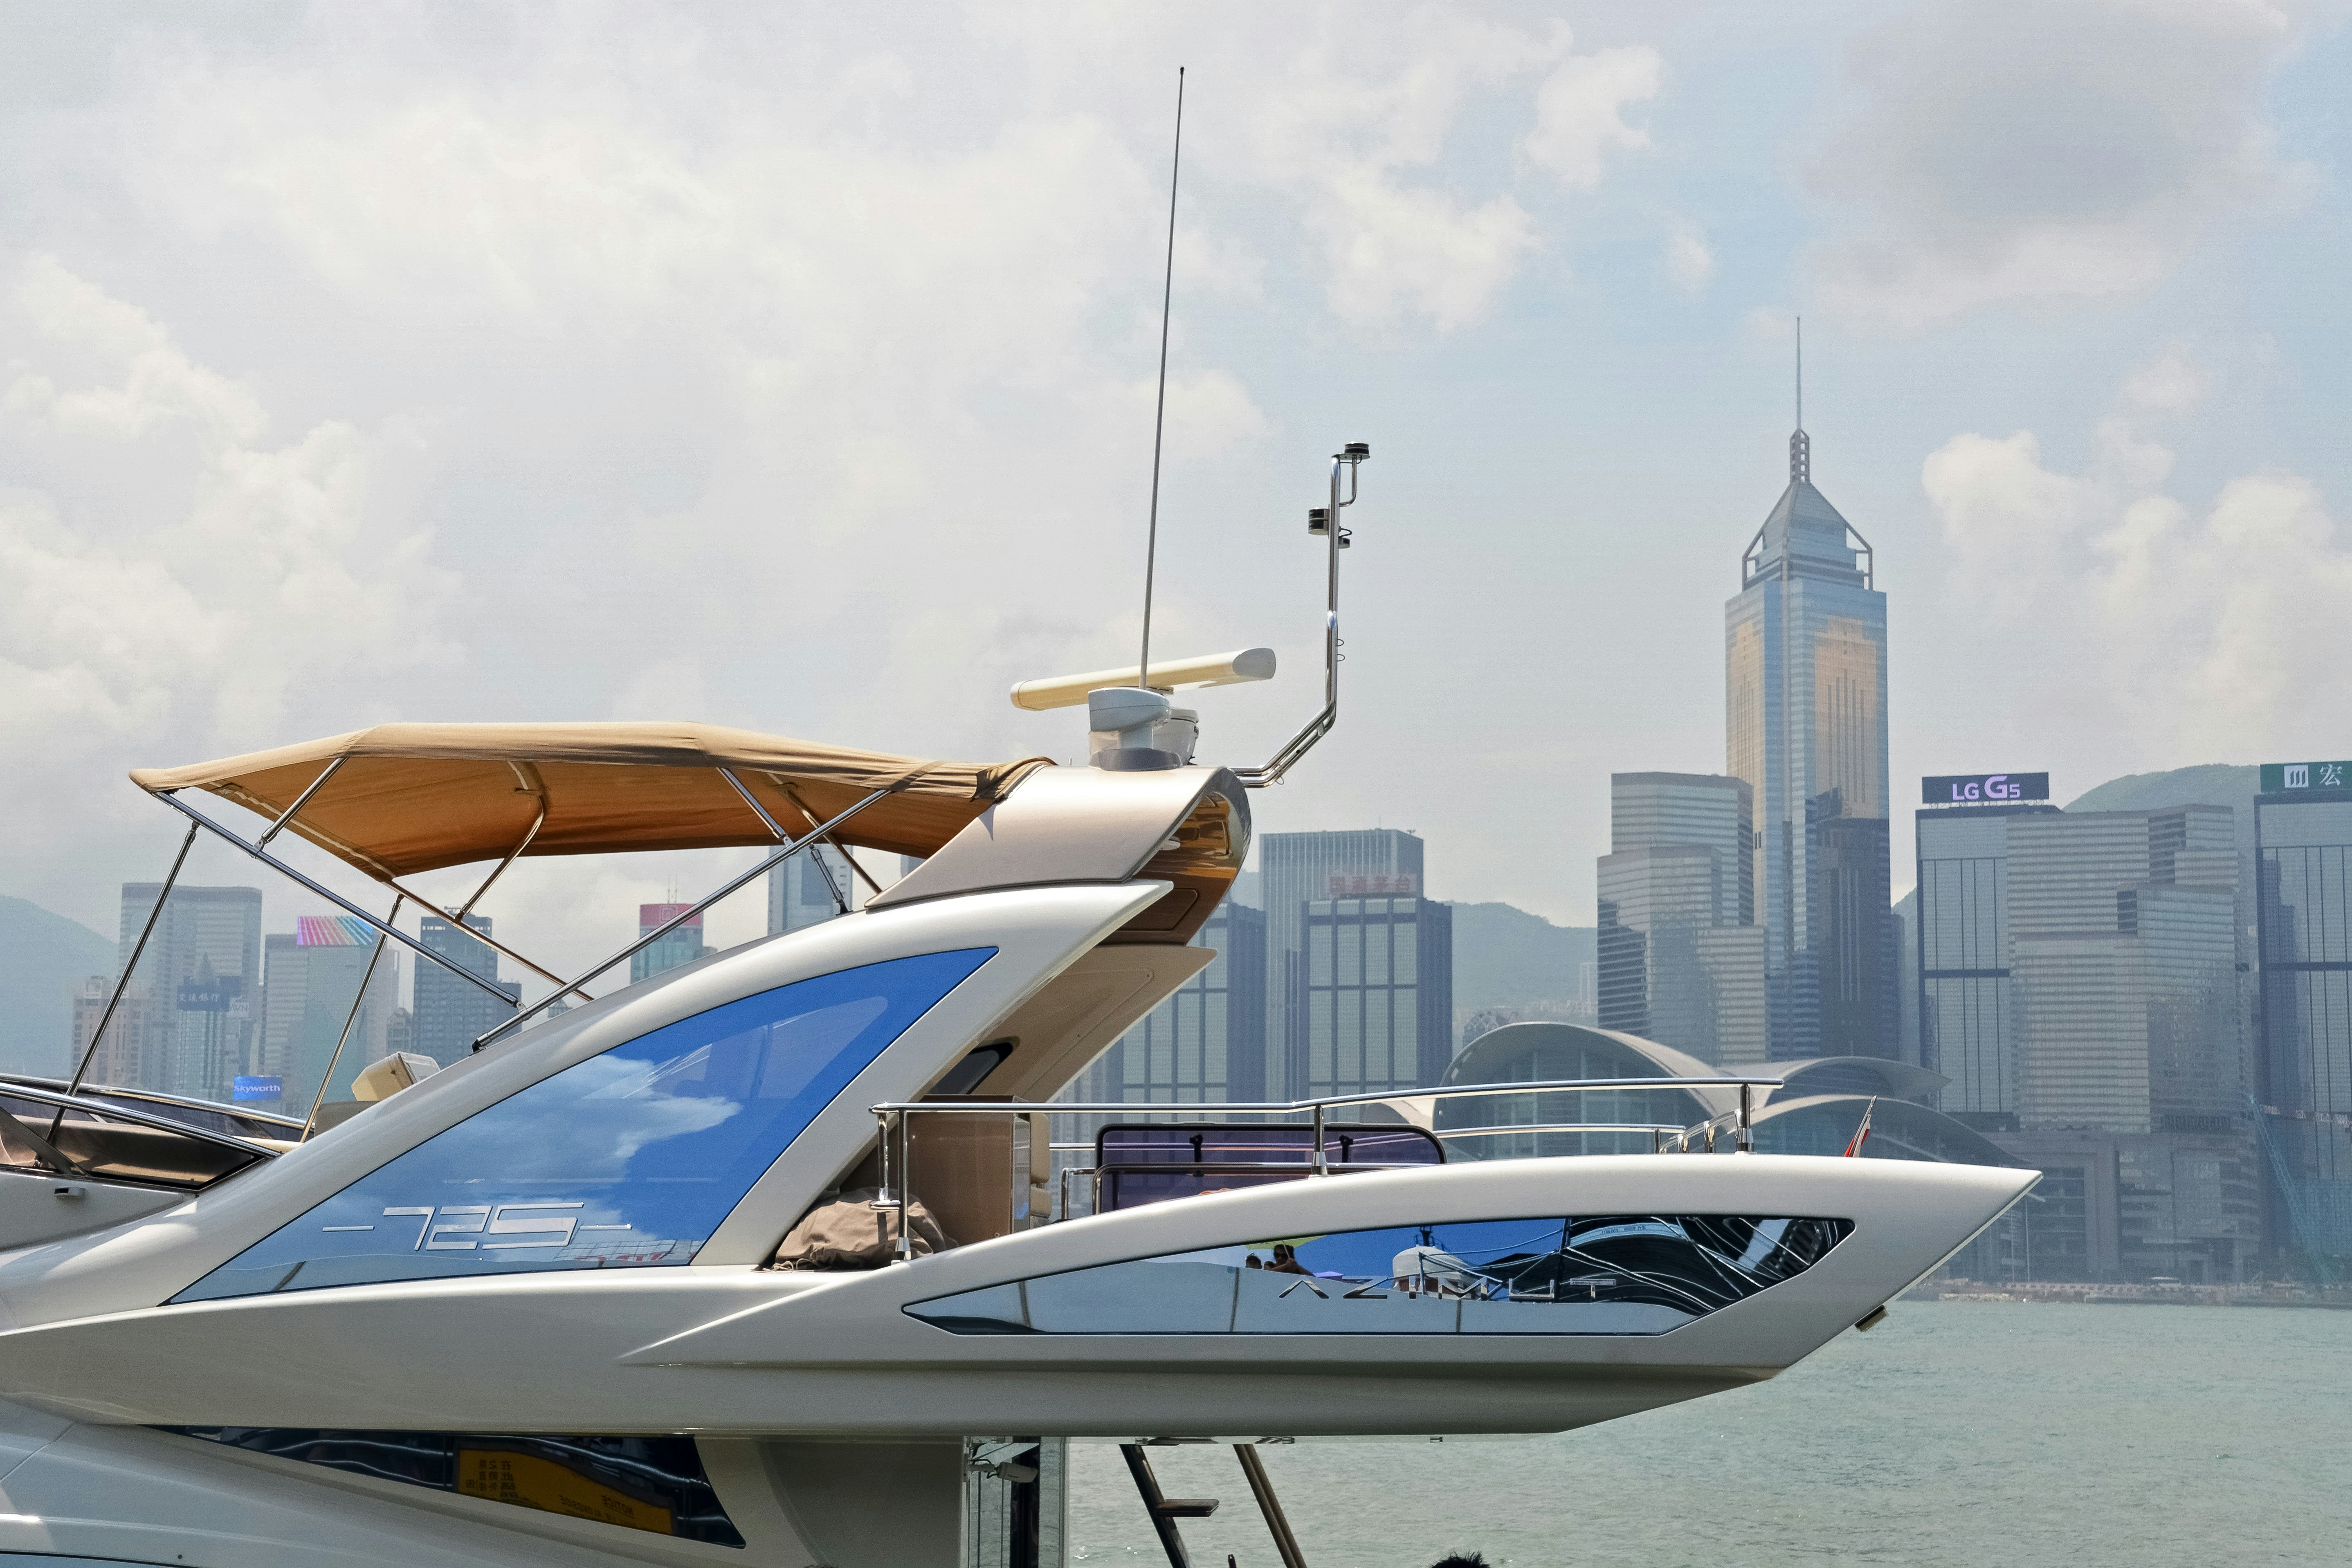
point(791, 367)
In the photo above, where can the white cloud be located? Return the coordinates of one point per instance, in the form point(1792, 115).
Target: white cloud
point(2199, 623)
point(2166, 385)
point(1580, 112)
point(2045, 150)
point(1689, 259)
point(180, 574)
point(792, 370)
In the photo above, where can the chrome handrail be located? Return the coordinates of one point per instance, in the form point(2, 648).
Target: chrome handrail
point(894, 1116)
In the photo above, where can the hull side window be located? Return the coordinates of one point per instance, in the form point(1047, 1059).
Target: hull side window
point(1607, 1274)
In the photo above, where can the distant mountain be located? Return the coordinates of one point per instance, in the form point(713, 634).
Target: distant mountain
point(2207, 783)
point(44, 959)
point(1505, 957)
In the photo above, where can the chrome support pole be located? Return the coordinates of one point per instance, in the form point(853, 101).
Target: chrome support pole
point(882, 1198)
point(839, 901)
point(757, 809)
point(906, 1184)
point(839, 848)
point(301, 801)
point(763, 869)
point(309, 884)
point(1747, 1119)
point(462, 910)
point(1261, 1488)
point(359, 999)
point(122, 982)
point(1322, 1160)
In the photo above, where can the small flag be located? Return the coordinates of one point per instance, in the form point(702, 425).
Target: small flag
point(1862, 1133)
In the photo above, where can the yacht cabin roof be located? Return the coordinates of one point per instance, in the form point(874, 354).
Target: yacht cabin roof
point(417, 797)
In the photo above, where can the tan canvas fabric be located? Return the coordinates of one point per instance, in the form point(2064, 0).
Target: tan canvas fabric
point(850, 1233)
point(417, 797)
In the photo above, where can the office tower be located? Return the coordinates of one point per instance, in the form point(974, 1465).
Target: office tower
point(1805, 683)
point(2303, 840)
point(1294, 868)
point(800, 895)
point(1207, 1042)
point(1967, 1027)
point(2130, 1078)
point(683, 945)
point(451, 1012)
point(1374, 1003)
point(202, 975)
point(2125, 962)
point(314, 974)
point(1681, 960)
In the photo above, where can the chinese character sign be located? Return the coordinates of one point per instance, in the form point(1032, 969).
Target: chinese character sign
point(1402, 884)
point(2279, 778)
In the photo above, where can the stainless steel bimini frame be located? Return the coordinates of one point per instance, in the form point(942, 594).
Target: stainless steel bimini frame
point(259, 850)
point(894, 1121)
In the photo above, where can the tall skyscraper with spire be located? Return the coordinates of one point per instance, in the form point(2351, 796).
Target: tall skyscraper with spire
point(1805, 688)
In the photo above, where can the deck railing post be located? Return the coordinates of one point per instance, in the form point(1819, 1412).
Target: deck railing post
point(1322, 1165)
point(906, 1184)
point(1747, 1119)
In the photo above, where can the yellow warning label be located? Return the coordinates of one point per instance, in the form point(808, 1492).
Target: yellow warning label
point(533, 1482)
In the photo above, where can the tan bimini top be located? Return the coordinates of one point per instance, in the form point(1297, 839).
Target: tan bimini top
point(417, 797)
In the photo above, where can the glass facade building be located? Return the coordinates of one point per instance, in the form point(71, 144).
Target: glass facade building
point(1967, 1030)
point(201, 976)
point(1374, 995)
point(2303, 840)
point(1681, 960)
point(2124, 1059)
point(451, 1014)
point(1297, 867)
point(2124, 964)
point(315, 972)
point(1805, 687)
point(681, 946)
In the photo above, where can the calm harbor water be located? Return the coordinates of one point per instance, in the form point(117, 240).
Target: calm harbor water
point(1959, 1433)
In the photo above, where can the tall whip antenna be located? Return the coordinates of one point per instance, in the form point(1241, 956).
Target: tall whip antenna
point(1159, 414)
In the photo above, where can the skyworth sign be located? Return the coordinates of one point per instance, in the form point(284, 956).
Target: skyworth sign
point(1980, 789)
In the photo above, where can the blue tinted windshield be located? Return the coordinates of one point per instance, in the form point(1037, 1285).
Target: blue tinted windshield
point(629, 1158)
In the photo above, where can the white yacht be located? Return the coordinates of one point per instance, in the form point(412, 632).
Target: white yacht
point(557, 1303)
